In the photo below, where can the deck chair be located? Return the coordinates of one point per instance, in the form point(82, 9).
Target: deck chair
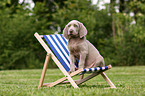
point(58, 51)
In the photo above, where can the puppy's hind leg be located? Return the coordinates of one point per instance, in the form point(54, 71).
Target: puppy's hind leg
point(102, 63)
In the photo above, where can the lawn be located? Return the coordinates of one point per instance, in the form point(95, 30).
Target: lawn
point(130, 81)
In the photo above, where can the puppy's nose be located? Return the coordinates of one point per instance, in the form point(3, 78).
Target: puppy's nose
point(71, 31)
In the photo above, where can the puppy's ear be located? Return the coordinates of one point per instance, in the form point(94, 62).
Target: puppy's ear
point(65, 32)
point(82, 30)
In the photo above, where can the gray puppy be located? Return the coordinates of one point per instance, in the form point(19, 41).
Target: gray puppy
point(81, 48)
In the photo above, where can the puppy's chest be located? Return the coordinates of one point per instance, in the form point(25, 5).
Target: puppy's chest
point(74, 48)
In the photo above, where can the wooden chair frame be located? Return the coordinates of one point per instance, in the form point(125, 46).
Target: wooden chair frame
point(67, 76)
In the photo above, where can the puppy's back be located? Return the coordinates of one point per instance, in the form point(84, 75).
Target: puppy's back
point(92, 56)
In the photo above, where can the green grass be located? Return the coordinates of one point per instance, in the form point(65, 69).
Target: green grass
point(130, 81)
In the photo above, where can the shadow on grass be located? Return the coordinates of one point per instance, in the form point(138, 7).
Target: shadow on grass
point(93, 86)
point(99, 86)
point(83, 86)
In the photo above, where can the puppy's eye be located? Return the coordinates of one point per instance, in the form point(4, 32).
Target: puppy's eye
point(69, 25)
point(75, 25)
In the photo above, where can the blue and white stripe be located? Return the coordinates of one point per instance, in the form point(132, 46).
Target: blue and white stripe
point(58, 44)
point(95, 69)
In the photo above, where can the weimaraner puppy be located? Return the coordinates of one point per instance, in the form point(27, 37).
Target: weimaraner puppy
point(81, 48)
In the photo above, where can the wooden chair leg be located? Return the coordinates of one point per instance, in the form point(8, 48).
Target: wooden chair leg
point(64, 78)
point(82, 76)
point(56, 82)
point(44, 70)
point(108, 80)
point(87, 78)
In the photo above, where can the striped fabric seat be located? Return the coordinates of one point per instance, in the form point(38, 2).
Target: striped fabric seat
point(58, 44)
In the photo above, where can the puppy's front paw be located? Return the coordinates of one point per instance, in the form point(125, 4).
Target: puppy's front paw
point(81, 66)
point(72, 70)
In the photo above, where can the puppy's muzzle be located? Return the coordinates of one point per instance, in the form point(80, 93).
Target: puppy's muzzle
point(70, 32)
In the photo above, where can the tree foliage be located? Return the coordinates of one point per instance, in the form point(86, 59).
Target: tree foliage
point(120, 41)
point(18, 45)
point(129, 37)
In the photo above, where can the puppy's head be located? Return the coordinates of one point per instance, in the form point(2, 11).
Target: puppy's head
point(74, 29)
